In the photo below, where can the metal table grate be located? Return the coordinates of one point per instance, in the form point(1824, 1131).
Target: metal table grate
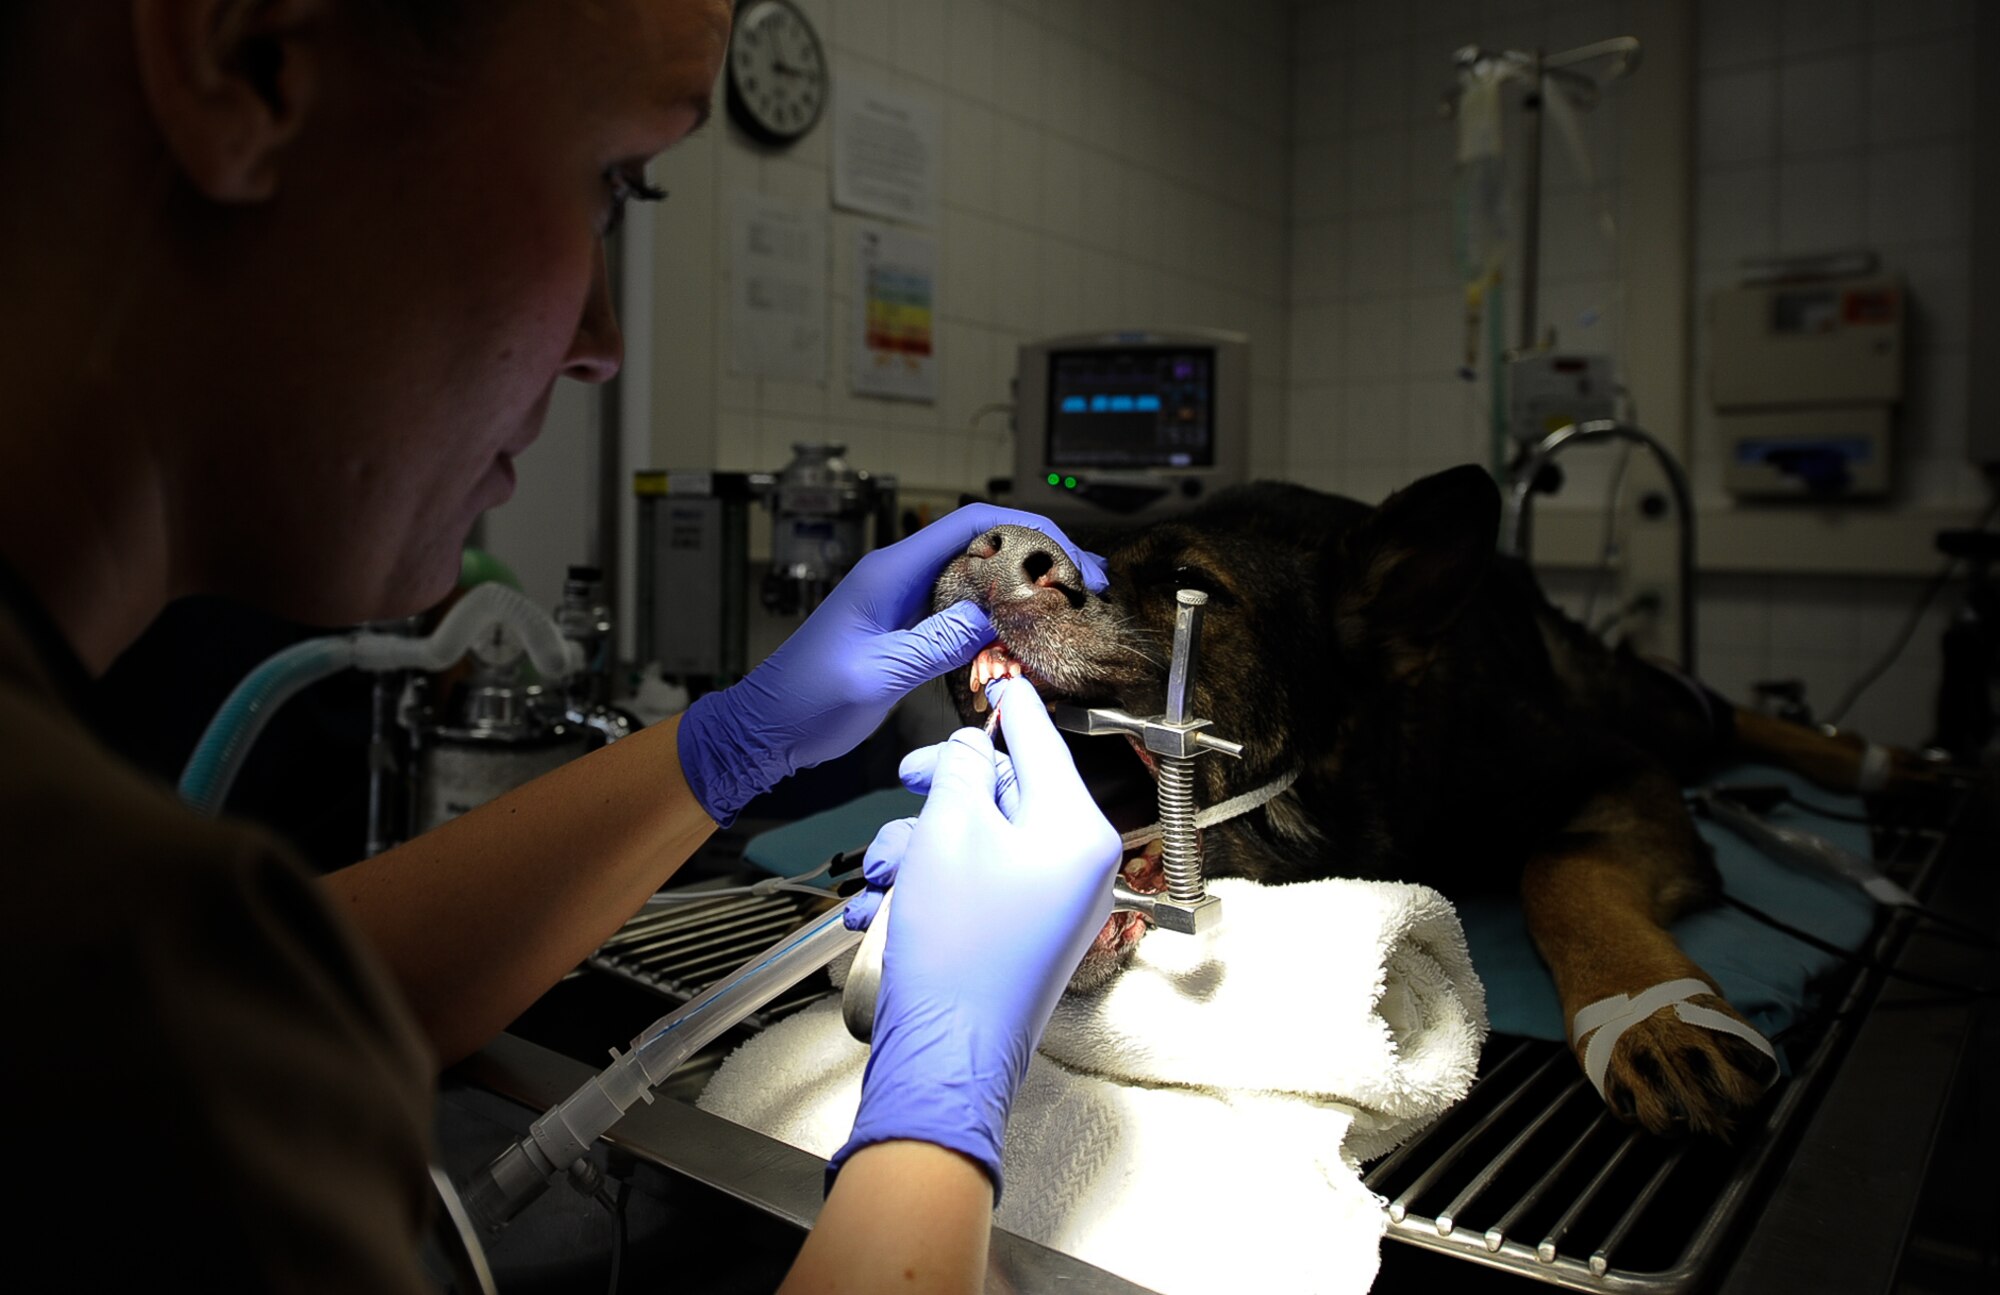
point(1532, 1175)
point(679, 950)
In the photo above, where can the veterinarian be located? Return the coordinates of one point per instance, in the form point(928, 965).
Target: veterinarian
point(287, 285)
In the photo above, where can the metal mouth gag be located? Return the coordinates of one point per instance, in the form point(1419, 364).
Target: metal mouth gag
point(1175, 739)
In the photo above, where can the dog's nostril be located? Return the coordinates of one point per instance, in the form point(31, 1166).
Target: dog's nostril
point(985, 546)
point(1038, 564)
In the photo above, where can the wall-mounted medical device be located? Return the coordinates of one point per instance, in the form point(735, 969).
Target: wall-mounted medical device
point(1805, 378)
point(1131, 424)
point(1548, 391)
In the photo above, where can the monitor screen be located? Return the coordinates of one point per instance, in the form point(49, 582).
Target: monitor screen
point(1137, 407)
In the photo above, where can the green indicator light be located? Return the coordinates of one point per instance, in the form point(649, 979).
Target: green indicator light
point(1069, 483)
point(1055, 478)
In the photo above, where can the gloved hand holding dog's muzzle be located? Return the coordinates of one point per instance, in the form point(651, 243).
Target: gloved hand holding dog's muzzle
point(831, 684)
point(998, 896)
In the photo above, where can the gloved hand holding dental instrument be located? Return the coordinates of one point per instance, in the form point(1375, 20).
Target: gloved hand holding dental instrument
point(1001, 883)
point(833, 682)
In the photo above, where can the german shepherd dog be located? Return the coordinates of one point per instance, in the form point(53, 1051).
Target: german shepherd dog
point(1446, 723)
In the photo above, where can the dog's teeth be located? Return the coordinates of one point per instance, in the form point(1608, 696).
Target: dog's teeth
point(993, 662)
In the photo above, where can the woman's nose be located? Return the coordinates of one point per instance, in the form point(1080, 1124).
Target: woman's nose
point(598, 347)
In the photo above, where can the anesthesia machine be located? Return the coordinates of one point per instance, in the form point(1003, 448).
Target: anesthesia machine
point(694, 551)
point(534, 697)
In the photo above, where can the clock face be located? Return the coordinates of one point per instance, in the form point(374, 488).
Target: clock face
point(777, 72)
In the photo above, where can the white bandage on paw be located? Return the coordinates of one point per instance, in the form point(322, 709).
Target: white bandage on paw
point(1608, 1018)
point(1876, 764)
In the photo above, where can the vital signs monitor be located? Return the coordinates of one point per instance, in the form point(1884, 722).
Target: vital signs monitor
point(1132, 423)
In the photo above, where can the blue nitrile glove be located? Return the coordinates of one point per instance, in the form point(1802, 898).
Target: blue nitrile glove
point(996, 904)
point(892, 840)
point(878, 869)
point(832, 683)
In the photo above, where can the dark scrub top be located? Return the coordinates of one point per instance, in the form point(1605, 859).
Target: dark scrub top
point(204, 1075)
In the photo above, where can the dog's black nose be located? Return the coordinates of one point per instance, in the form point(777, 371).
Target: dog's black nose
point(1016, 559)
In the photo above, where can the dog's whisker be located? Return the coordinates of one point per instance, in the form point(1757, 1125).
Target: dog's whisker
point(1148, 657)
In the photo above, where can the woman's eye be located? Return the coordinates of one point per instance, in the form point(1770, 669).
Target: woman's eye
point(627, 184)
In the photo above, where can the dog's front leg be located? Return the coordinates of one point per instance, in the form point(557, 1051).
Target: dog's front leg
point(1598, 897)
point(1837, 761)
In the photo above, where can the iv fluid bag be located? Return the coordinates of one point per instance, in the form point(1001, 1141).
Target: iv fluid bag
point(1479, 186)
point(1479, 202)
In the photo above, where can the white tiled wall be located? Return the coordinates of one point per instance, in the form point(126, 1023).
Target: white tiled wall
point(1818, 124)
point(1824, 125)
point(1823, 631)
point(1278, 167)
point(1379, 321)
point(1106, 163)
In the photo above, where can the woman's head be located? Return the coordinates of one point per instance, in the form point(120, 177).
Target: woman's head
point(357, 242)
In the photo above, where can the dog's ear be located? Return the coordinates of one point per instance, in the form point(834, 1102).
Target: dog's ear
point(1403, 576)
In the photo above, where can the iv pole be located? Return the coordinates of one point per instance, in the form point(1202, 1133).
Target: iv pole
point(1543, 74)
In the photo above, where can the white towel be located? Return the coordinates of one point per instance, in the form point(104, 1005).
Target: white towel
point(1196, 1126)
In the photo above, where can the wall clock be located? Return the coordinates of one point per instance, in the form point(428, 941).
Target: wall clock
point(777, 84)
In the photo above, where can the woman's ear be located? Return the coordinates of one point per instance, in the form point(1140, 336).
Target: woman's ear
point(229, 84)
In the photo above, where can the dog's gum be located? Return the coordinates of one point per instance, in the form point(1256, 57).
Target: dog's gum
point(993, 662)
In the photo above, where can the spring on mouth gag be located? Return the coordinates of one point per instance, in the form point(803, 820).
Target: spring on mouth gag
point(1178, 855)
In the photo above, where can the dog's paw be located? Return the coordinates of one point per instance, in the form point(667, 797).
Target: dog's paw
point(1672, 1077)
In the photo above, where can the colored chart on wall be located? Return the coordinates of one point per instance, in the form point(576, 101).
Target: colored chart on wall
point(896, 329)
